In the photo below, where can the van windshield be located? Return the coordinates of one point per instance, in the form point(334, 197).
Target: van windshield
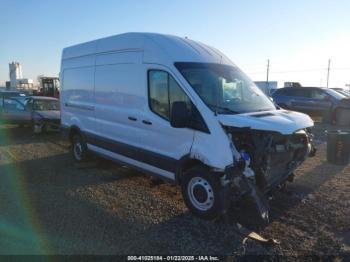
point(224, 89)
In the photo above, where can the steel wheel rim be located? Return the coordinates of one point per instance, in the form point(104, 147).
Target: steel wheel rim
point(78, 150)
point(200, 184)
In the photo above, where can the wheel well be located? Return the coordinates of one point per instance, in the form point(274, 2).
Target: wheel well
point(186, 165)
point(72, 132)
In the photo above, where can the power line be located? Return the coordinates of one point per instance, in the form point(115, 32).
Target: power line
point(299, 71)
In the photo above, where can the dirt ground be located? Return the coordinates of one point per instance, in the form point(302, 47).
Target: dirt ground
point(51, 205)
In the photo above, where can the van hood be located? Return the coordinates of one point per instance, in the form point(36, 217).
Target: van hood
point(282, 121)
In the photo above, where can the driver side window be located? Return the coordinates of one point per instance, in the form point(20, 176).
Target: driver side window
point(163, 91)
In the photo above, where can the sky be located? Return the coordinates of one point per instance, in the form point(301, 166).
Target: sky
point(297, 36)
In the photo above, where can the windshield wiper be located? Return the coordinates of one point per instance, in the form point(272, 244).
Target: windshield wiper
point(226, 109)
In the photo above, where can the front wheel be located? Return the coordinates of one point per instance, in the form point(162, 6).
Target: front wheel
point(79, 148)
point(200, 191)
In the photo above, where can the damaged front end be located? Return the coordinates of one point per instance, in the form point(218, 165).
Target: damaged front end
point(268, 159)
point(46, 125)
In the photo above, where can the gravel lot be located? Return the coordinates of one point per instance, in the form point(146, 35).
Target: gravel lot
point(51, 205)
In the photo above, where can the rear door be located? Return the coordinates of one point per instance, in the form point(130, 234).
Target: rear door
point(301, 100)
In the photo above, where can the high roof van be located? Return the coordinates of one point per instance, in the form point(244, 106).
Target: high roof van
point(182, 111)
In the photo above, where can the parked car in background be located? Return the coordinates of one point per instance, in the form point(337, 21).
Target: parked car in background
point(5, 94)
point(273, 90)
point(42, 113)
point(314, 101)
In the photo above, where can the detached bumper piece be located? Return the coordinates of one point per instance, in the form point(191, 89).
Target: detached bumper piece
point(239, 185)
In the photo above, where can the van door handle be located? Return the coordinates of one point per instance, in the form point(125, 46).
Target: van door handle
point(146, 122)
point(132, 118)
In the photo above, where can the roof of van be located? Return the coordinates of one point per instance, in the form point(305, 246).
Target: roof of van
point(154, 46)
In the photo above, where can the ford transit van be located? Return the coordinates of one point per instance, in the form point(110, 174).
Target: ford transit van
point(180, 110)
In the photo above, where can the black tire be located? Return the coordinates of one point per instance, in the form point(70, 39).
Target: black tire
point(79, 148)
point(201, 192)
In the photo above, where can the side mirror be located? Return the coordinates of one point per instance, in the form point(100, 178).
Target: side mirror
point(179, 115)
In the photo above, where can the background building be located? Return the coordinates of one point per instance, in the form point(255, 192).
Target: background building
point(15, 73)
point(16, 78)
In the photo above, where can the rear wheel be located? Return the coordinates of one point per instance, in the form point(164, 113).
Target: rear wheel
point(200, 191)
point(79, 148)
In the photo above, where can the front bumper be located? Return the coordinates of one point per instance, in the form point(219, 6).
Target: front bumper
point(278, 166)
point(48, 125)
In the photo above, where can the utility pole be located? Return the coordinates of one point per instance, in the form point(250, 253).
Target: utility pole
point(267, 86)
point(267, 71)
point(329, 67)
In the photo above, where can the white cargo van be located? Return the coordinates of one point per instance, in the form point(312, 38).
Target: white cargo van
point(182, 111)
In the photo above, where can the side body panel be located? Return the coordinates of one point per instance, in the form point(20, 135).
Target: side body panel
point(77, 93)
point(118, 96)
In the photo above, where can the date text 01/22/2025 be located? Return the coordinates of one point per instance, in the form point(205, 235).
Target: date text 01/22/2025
point(173, 258)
